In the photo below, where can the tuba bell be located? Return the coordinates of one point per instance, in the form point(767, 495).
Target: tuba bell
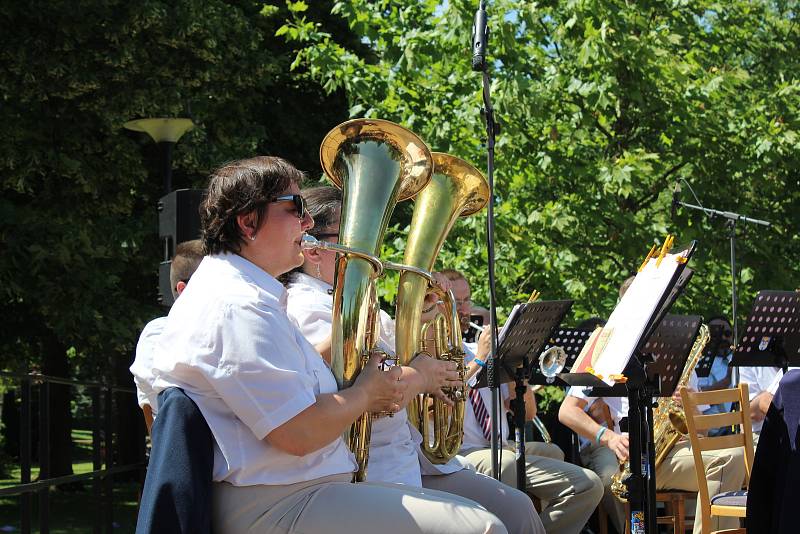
point(376, 163)
point(456, 190)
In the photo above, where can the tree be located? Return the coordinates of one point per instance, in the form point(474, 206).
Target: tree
point(603, 105)
point(78, 243)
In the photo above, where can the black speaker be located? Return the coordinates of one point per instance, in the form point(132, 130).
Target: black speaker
point(178, 221)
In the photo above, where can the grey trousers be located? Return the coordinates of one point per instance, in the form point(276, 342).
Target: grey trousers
point(333, 505)
point(513, 507)
point(569, 494)
point(724, 472)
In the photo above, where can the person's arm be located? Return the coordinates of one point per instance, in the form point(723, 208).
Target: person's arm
point(572, 415)
point(481, 354)
point(723, 382)
point(148, 418)
point(429, 375)
point(324, 349)
point(759, 405)
point(324, 421)
point(600, 412)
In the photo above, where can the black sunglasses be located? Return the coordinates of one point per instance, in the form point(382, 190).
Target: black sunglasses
point(299, 203)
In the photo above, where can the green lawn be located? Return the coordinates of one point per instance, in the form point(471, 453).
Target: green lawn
point(72, 509)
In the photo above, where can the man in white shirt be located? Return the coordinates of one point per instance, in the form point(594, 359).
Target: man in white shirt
point(568, 493)
point(185, 262)
point(758, 380)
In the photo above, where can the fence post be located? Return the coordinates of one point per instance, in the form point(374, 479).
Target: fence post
point(44, 456)
point(97, 457)
point(109, 443)
point(25, 454)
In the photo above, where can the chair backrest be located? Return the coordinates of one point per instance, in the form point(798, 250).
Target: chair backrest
point(177, 489)
point(698, 423)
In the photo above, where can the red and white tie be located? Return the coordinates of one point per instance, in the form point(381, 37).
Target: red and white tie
point(481, 413)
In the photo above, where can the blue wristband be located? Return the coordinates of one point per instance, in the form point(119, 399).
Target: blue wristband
point(599, 435)
point(480, 362)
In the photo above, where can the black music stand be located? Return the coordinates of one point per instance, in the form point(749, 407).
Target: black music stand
point(640, 388)
point(528, 328)
point(654, 371)
point(772, 335)
point(670, 346)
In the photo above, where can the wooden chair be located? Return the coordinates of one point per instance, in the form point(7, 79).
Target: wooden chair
point(674, 508)
point(731, 504)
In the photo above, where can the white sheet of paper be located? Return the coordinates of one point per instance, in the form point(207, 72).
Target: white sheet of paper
point(629, 319)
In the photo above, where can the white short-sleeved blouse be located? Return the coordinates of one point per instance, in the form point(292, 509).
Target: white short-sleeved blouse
point(230, 345)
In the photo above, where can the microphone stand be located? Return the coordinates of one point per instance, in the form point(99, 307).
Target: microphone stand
point(479, 38)
point(731, 220)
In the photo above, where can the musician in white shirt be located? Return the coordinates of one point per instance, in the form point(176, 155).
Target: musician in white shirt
point(759, 380)
point(605, 446)
point(272, 404)
point(395, 455)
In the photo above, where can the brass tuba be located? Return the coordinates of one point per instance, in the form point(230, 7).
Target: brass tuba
point(376, 163)
point(669, 419)
point(457, 189)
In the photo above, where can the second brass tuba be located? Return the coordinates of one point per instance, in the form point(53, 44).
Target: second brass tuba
point(456, 189)
point(376, 163)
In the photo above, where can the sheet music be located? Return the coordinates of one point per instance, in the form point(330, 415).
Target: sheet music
point(610, 350)
point(502, 335)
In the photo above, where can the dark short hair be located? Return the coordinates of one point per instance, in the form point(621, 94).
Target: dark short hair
point(238, 188)
point(187, 258)
point(322, 203)
point(719, 318)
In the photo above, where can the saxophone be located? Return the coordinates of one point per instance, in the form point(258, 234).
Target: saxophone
point(669, 419)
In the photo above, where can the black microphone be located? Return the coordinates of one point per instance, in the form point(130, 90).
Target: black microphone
point(480, 34)
point(676, 194)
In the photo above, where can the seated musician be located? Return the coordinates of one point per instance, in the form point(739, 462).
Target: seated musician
point(395, 455)
point(605, 446)
point(568, 493)
point(759, 380)
point(186, 260)
point(719, 376)
point(280, 464)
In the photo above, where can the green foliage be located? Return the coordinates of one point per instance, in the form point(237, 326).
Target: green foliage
point(603, 105)
point(549, 398)
point(78, 243)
